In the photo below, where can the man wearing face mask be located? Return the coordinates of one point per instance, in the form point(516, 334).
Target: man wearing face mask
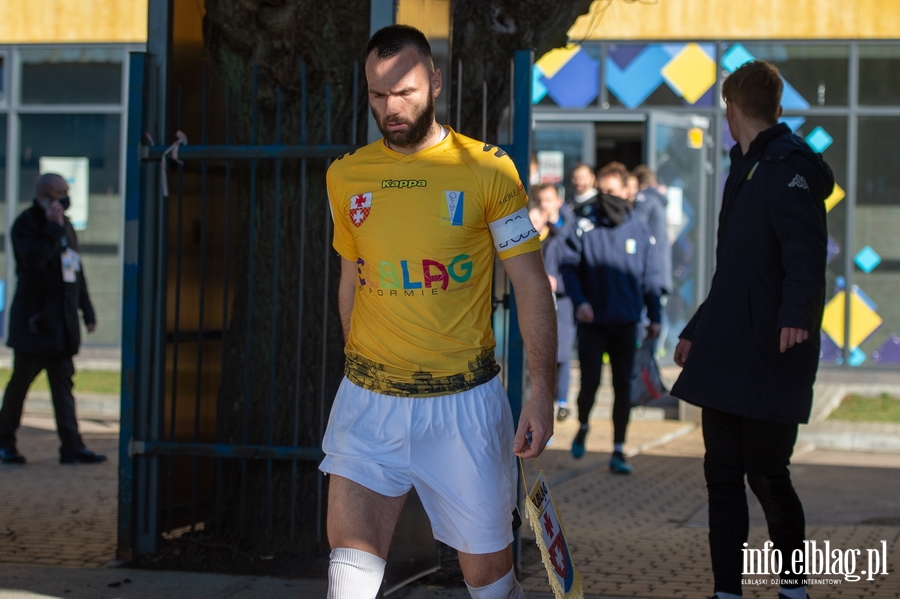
point(44, 331)
point(610, 271)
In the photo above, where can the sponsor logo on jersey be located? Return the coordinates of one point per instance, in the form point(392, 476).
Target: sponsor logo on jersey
point(403, 183)
point(411, 278)
point(360, 208)
point(455, 208)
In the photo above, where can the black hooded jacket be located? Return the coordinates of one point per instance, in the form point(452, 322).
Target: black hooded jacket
point(43, 318)
point(770, 274)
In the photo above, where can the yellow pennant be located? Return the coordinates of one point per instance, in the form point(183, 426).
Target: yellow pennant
point(551, 540)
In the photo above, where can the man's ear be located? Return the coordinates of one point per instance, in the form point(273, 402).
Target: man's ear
point(780, 110)
point(437, 83)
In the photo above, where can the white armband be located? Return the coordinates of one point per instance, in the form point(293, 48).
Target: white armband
point(512, 230)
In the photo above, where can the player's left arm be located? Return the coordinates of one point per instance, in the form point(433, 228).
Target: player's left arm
point(537, 322)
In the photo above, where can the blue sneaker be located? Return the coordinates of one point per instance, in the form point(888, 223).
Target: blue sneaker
point(578, 443)
point(618, 465)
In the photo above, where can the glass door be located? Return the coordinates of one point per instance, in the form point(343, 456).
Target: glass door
point(677, 150)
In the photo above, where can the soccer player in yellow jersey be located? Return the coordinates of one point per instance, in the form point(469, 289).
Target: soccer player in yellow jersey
point(418, 217)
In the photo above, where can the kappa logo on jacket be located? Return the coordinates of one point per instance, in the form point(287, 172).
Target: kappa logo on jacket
point(799, 181)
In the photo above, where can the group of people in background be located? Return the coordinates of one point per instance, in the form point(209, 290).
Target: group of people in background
point(607, 255)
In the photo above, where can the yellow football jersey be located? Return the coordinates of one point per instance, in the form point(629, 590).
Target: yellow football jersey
point(422, 229)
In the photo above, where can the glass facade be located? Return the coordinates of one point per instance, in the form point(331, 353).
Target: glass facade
point(62, 109)
point(857, 129)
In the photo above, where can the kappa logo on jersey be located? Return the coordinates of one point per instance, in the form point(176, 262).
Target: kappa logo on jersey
point(455, 208)
point(799, 181)
point(404, 183)
point(360, 208)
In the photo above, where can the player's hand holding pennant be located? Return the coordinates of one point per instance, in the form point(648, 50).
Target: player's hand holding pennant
point(551, 540)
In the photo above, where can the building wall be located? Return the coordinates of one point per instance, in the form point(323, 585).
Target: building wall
point(73, 21)
point(723, 19)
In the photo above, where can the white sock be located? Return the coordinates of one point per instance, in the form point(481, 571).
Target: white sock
point(794, 593)
point(618, 447)
point(354, 574)
point(505, 588)
point(721, 595)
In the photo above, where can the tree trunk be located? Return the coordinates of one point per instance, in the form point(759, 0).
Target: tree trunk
point(262, 336)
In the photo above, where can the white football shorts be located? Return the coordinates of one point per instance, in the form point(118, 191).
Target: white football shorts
point(456, 450)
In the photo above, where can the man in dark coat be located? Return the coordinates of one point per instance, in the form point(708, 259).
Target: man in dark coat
point(610, 272)
point(43, 323)
point(751, 351)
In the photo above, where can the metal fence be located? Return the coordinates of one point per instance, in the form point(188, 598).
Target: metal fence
point(218, 239)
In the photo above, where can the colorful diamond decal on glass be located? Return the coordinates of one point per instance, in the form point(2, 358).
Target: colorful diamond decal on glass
point(862, 295)
point(857, 357)
point(794, 122)
point(819, 140)
point(623, 54)
point(736, 56)
point(577, 83)
point(538, 89)
point(867, 259)
point(791, 98)
point(690, 73)
point(889, 352)
point(829, 352)
point(551, 62)
point(833, 249)
point(863, 320)
point(633, 83)
point(836, 196)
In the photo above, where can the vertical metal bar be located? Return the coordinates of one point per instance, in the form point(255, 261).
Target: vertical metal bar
point(179, 249)
point(484, 93)
point(459, 86)
point(273, 332)
point(355, 116)
point(251, 275)
point(326, 302)
point(301, 285)
point(521, 157)
point(131, 299)
point(226, 252)
point(204, 198)
point(852, 174)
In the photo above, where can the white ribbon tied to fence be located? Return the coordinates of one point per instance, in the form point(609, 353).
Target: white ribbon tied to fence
point(180, 140)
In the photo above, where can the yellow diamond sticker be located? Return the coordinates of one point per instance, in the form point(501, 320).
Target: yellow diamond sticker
point(836, 196)
point(863, 319)
point(691, 72)
point(551, 62)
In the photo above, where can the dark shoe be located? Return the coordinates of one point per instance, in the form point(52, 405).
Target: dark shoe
point(82, 456)
point(578, 443)
point(11, 456)
point(618, 465)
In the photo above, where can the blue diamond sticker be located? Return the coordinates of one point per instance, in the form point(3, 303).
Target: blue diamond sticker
point(794, 122)
point(819, 140)
point(538, 89)
point(867, 259)
point(857, 357)
point(736, 56)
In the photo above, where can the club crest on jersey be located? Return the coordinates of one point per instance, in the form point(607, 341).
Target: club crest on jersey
point(360, 208)
point(455, 208)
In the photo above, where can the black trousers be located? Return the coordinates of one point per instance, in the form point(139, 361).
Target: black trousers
point(737, 446)
point(59, 371)
point(619, 341)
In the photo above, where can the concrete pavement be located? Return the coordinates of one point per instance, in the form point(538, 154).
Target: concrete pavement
point(637, 536)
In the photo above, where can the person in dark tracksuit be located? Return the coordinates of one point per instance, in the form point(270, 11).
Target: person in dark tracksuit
point(44, 332)
point(751, 351)
point(610, 272)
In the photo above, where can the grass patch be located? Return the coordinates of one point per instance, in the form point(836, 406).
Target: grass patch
point(860, 408)
point(99, 382)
